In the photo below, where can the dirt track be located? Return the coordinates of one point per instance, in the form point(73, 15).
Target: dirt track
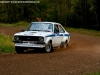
point(82, 56)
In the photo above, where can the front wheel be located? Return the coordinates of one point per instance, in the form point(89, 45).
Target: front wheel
point(48, 47)
point(19, 49)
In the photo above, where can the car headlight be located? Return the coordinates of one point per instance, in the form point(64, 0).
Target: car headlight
point(16, 38)
point(41, 39)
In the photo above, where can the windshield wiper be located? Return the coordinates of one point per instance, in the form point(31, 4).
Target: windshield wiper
point(46, 30)
point(40, 30)
point(34, 30)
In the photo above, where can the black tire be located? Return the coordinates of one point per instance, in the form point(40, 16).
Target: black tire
point(48, 47)
point(65, 44)
point(19, 49)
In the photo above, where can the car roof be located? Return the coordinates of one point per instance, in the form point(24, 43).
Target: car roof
point(46, 22)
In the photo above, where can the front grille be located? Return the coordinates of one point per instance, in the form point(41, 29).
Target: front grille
point(28, 38)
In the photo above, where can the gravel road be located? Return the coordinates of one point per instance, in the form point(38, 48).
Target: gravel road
point(82, 56)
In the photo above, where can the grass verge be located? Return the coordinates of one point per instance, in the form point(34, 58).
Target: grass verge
point(95, 73)
point(83, 31)
point(18, 24)
point(6, 44)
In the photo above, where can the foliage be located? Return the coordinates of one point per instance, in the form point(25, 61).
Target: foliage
point(70, 13)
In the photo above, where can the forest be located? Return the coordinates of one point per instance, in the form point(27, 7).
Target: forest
point(70, 13)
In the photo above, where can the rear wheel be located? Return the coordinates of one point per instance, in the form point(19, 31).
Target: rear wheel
point(48, 47)
point(19, 49)
point(65, 44)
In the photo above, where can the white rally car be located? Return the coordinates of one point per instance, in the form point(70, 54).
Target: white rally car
point(43, 35)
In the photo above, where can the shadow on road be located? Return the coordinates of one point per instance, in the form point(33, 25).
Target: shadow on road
point(37, 51)
point(40, 51)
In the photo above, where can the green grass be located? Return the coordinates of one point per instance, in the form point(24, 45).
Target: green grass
point(83, 31)
point(6, 44)
point(95, 73)
point(18, 24)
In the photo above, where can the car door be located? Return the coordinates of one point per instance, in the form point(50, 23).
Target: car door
point(57, 35)
point(61, 31)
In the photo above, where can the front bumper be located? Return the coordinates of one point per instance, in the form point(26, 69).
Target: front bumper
point(36, 42)
point(33, 44)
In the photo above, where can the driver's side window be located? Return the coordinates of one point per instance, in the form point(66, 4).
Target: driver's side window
point(56, 29)
point(61, 30)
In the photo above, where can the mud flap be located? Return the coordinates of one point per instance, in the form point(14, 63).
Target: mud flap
point(61, 44)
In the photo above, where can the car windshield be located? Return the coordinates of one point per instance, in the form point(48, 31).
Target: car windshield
point(40, 27)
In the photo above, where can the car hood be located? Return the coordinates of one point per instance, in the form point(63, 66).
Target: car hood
point(34, 33)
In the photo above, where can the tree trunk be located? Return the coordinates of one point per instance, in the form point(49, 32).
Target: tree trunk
point(98, 13)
